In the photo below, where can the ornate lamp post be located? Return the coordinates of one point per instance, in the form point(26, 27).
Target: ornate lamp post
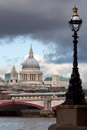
point(75, 94)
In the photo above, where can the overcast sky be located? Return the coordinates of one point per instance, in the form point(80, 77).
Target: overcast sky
point(44, 23)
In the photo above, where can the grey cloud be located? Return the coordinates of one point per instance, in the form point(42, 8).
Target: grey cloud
point(45, 20)
point(58, 57)
point(32, 17)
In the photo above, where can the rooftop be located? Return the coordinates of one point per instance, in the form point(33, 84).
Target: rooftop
point(64, 79)
point(61, 79)
point(48, 79)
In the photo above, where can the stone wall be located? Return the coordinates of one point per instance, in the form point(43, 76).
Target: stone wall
point(66, 127)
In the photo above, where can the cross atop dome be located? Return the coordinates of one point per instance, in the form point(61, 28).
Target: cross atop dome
point(31, 52)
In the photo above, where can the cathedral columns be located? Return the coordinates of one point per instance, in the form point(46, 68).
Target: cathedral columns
point(34, 77)
point(26, 77)
point(37, 77)
point(30, 77)
point(22, 77)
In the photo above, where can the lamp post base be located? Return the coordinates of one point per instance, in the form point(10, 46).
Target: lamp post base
point(70, 117)
point(75, 115)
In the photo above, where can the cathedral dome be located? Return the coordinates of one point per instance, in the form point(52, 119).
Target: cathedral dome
point(30, 62)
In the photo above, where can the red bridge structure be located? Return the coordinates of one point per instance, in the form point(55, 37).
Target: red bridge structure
point(41, 101)
point(32, 101)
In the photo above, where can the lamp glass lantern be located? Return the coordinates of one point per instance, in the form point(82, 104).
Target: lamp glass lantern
point(75, 21)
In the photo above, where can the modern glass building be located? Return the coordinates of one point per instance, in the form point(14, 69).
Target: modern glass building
point(7, 77)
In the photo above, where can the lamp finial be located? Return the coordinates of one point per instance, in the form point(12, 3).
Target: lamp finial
point(75, 10)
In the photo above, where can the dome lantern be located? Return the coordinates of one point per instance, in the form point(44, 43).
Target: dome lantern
point(31, 52)
point(30, 62)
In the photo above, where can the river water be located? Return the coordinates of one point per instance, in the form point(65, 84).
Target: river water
point(23, 123)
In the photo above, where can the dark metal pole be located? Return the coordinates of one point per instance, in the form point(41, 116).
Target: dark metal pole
point(75, 94)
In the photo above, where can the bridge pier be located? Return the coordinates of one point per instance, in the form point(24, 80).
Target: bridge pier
point(47, 111)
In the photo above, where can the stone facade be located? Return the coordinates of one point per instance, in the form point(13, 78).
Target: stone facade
point(31, 77)
point(70, 117)
point(57, 81)
point(13, 76)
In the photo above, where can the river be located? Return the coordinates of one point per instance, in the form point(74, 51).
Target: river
point(23, 123)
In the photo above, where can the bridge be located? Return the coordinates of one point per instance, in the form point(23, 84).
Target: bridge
point(42, 101)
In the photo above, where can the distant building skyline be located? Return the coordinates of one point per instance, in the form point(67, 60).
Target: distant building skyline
point(31, 75)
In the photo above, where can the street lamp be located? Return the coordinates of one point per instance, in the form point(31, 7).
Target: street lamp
point(75, 94)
